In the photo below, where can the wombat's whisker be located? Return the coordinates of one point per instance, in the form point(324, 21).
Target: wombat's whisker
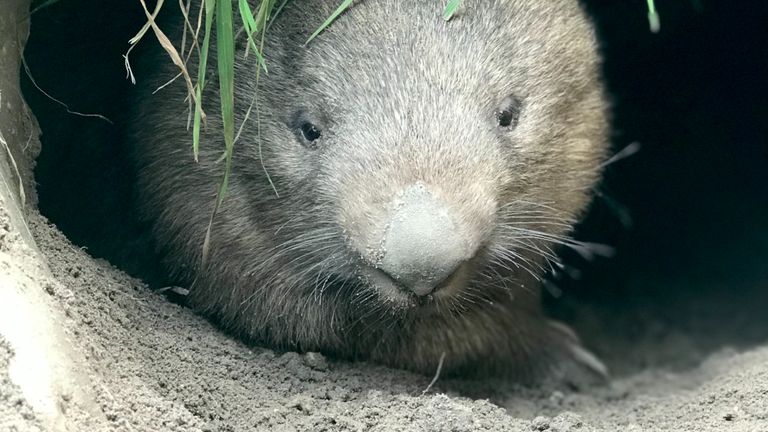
point(321, 265)
point(587, 250)
point(543, 251)
point(630, 150)
point(296, 278)
point(516, 259)
point(503, 279)
point(545, 206)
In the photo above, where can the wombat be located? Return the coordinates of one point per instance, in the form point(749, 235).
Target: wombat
point(398, 188)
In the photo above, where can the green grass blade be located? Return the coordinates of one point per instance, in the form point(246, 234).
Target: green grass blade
point(262, 18)
point(248, 19)
point(210, 11)
point(653, 17)
point(250, 23)
point(225, 52)
point(342, 7)
point(450, 9)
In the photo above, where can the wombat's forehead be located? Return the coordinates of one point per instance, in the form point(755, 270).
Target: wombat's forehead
point(392, 42)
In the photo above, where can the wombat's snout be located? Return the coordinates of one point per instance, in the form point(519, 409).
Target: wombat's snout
point(422, 246)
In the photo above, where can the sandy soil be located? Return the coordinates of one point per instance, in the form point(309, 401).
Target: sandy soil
point(156, 366)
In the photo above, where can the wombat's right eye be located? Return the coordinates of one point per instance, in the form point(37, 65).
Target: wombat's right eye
point(508, 112)
point(309, 131)
point(307, 127)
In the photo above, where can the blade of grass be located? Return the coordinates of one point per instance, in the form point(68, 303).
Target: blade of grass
point(183, 51)
point(653, 17)
point(450, 9)
point(145, 28)
point(225, 56)
point(188, 29)
point(225, 52)
point(265, 19)
point(252, 27)
point(164, 42)
point(339, 10)
point(262, 22)
point(210, 12)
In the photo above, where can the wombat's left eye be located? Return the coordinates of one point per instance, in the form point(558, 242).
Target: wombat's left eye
point(310, 132)
point(508, 113)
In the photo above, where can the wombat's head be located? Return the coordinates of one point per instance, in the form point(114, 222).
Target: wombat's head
point(423, 160)
point(397, 160)
point(416, 155)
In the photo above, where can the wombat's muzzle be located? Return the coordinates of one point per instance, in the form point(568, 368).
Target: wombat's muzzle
point(422, 246)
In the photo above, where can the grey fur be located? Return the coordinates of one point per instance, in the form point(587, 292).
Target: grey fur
point(402, 98)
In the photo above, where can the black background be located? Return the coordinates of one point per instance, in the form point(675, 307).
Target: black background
point(693, 259)
point(695, 96)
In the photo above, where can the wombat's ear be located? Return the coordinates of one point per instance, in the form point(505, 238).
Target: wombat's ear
point(508, 112)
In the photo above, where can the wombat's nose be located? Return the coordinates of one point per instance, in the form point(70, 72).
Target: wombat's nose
point(422, 246)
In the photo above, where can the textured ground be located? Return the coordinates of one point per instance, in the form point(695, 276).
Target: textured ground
point(156, 366)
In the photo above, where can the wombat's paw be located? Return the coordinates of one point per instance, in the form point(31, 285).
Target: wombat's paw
point(570, 363)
